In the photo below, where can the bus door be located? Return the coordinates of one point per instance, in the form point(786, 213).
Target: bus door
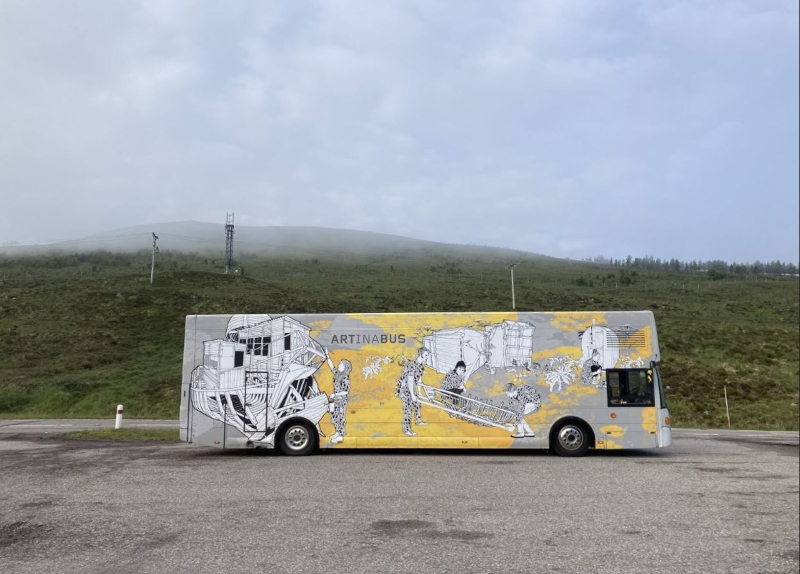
point(633, 415)
point(664, 420)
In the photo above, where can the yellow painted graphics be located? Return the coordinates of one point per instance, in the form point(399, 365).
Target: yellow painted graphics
point(577, 321)
point(649, 419)
point(572, 396)
point(613, 436)
point(571, 352)
point(647, 350)
point(378, 419)
point(642, 341)
point(379, 415)
point(612, 430)
point(414, 322)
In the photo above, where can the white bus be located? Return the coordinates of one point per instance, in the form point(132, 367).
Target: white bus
point(561, 381)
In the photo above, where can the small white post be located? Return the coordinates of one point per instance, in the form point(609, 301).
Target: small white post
point(118, 423)
point(727, 412)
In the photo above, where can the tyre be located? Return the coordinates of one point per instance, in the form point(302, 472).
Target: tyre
point(570, 439)
point(297, 438)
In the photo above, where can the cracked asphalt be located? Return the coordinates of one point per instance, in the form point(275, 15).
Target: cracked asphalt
point(716, 501)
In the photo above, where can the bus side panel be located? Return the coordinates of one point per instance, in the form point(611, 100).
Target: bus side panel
point(436, 380)
point(631, 427)
point(189, 362)
point(206, 413)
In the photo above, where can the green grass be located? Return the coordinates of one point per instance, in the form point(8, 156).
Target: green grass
point(80, 334)
point(158, 435)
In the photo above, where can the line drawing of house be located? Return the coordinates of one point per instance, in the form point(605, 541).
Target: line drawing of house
point(503, 345)
point(507, 345)
point(259, 375)
point(602, 344)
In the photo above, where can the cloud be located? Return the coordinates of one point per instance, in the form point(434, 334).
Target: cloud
point(573, 129)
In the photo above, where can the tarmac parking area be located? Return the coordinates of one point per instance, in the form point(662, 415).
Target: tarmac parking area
point(714, 502)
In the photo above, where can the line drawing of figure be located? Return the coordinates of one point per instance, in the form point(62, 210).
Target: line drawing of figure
point(524, 401)
point(411, 376)
point(453, 382)
point(601, 344)
point(338, 400)
point(592, 373)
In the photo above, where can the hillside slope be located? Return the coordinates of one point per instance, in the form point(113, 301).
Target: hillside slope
point(80, 334)
point(286, 241)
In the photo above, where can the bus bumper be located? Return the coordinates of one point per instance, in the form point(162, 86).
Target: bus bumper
point(665, 439)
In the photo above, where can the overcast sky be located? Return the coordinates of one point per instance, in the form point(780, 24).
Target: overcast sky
point(567, 128)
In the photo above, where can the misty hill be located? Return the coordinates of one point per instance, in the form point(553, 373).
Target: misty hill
point(291, 241)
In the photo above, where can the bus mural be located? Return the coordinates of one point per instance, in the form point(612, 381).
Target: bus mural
point(565, 381)
point(259, 375)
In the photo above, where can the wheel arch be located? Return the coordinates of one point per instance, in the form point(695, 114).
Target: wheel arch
point(296, 419)
point(574, 420)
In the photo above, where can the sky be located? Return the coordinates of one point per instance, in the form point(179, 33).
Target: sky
point(572, 129)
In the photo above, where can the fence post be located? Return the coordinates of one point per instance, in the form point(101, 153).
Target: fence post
point(727, 411)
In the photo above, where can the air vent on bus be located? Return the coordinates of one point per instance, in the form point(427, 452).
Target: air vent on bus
point(624, 338)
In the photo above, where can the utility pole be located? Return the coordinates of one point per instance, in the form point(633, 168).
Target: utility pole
point(153, 264)
point(513, 301)
point(228, 242)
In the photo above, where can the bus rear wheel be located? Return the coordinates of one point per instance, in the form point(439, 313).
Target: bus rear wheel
point(296, 439)
point(570, 439)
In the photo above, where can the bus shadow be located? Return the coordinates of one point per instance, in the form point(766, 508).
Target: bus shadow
point(438, 452)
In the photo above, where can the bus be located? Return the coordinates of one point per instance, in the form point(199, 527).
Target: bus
point(566, 382)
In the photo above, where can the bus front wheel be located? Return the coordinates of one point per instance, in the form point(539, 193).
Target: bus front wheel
point(297, 438)
point(570, 439)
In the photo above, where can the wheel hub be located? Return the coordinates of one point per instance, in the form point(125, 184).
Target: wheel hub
point(297, 437)
point(570, 437)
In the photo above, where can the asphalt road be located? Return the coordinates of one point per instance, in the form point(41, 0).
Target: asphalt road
point(43, 427)
point(714, 502)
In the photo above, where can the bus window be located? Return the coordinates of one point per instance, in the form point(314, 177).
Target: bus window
point(630, 387)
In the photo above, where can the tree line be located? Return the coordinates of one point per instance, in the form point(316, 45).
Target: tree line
point(714, 267)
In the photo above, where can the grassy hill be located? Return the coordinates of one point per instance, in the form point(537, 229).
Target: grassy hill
point(81, 333)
